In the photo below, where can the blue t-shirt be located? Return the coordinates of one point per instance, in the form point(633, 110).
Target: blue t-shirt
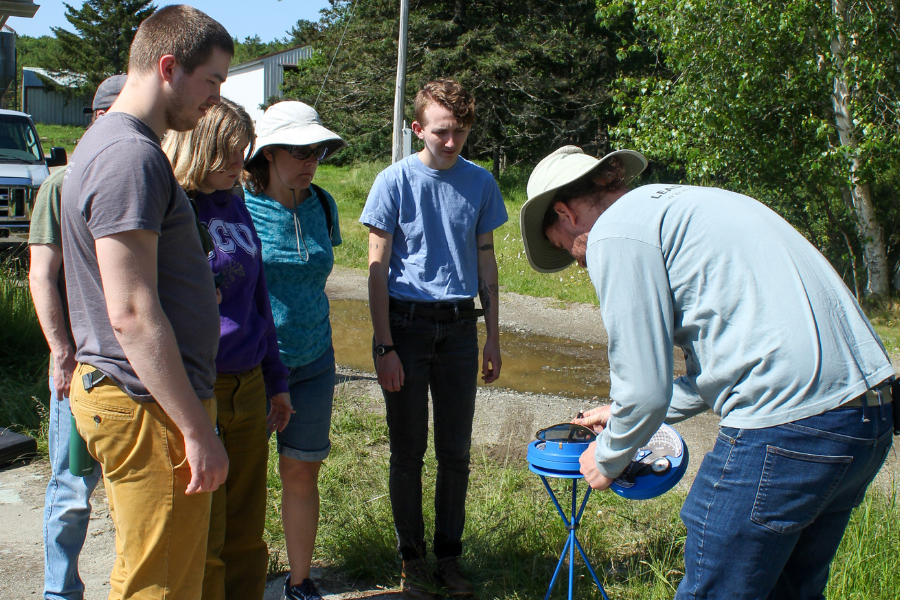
point(434, 217)
point(296, 271)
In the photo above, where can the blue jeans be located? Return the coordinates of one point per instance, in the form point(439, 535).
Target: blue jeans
point(442, 356)
point(67, 509)
point(769, 506)
point(307, 435)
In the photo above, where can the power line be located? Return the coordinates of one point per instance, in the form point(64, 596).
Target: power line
point(349, 19)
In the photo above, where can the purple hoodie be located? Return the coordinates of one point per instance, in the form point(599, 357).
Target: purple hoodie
point(247, 329)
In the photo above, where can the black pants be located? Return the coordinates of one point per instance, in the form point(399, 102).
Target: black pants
point(442, 356)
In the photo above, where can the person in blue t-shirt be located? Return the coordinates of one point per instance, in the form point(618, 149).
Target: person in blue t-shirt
point(297, 223)
point(431, 219)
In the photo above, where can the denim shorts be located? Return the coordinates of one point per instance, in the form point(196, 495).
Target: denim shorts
point(311, 386)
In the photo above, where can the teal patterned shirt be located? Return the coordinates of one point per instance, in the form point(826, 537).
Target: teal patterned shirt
point(296, 271)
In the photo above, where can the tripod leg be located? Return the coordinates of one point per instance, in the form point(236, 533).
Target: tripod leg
point(562, 557)
point(590, 567)
point(572, 537)
point(571, 561)
point(559, 509)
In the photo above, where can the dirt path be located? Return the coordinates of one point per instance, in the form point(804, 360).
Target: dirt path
point(505, 421)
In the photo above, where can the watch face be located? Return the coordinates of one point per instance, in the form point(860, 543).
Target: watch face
point(379, 350)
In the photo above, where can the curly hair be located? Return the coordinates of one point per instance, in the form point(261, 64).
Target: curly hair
point(608, 177)
point(450, 95)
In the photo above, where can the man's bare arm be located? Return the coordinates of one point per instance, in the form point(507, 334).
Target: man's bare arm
point(489, 293)
point(128, 269)
point(43, 279)
point(389, 368)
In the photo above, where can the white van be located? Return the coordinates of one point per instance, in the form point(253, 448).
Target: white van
point(23, 168)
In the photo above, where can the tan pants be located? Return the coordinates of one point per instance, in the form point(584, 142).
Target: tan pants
point(161, 533)
point(237, 557)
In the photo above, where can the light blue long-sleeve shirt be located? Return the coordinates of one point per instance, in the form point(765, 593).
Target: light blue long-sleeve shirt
point(769, 331)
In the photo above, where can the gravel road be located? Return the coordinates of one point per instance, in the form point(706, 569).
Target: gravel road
point(505, 421)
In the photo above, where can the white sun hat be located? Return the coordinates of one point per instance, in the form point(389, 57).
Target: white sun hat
point(292, 123)
point(559, 169)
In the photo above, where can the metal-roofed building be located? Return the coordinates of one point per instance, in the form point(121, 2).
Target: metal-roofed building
point(46, 105)
point(252, 83)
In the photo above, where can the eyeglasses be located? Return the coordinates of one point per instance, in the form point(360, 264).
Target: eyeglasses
point(304, 152)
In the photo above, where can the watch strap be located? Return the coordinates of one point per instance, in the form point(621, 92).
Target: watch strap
point(382, 349)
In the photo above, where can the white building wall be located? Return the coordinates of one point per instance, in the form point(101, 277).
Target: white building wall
point(247, 88)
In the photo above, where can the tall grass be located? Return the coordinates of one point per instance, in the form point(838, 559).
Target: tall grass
point(514, 536)
point(350, 187)
point(865, 567)
point(23, 354)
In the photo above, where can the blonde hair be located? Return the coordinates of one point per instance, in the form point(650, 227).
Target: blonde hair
point(208, 147)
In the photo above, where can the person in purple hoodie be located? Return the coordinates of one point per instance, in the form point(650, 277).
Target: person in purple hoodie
point(207, 162)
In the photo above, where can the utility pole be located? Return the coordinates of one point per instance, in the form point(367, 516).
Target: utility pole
point(400, 90)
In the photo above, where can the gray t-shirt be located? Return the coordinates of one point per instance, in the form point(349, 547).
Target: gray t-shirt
point(119, 180)
point(770, 333)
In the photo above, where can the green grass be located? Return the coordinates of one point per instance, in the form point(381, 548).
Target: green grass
point(884, 314)
point(514, 536)
point(23, 356)
point(59, 135)
point(350, 188)
point(866, 563)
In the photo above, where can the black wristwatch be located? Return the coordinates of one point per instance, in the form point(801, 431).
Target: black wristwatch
point(382, 349)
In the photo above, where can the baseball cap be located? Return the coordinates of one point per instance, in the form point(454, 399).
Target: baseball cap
point(562, 167)
point(292, 123)
point(107, 92)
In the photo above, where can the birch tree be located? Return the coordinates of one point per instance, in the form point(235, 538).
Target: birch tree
point(793, 102)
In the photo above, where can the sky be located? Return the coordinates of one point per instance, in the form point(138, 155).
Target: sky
point(269, 19)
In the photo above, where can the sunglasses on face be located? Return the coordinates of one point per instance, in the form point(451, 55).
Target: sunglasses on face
point(304, 152)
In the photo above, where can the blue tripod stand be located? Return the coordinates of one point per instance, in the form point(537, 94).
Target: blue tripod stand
point(571, 524)
point(556, 453)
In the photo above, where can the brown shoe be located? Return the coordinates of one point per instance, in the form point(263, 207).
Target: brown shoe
point(450, 576)
point(416, 582)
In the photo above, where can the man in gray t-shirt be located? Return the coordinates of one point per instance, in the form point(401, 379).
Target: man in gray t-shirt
point(121, 153)
point(143, 310)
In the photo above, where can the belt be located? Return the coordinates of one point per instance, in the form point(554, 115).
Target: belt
point(871, 397)
point(439, 311)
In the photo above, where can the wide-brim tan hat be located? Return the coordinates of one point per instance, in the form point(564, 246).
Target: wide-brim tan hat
point(559, 169)
point(292, 123)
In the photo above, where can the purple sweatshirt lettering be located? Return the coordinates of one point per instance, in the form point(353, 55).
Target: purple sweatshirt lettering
point(248, 336)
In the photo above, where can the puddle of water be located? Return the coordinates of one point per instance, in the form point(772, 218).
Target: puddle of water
point(531, 363)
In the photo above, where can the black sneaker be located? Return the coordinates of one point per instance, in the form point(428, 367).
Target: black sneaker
point(305, 591)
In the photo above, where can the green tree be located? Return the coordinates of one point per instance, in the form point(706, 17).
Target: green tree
point(105, 30)
point(41, 52)
point(539, 71)
point(253, 47)
point(789, 101)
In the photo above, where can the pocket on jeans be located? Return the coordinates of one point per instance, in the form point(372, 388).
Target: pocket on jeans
point(794, 487)
point(105, 410)
point(398, 320)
